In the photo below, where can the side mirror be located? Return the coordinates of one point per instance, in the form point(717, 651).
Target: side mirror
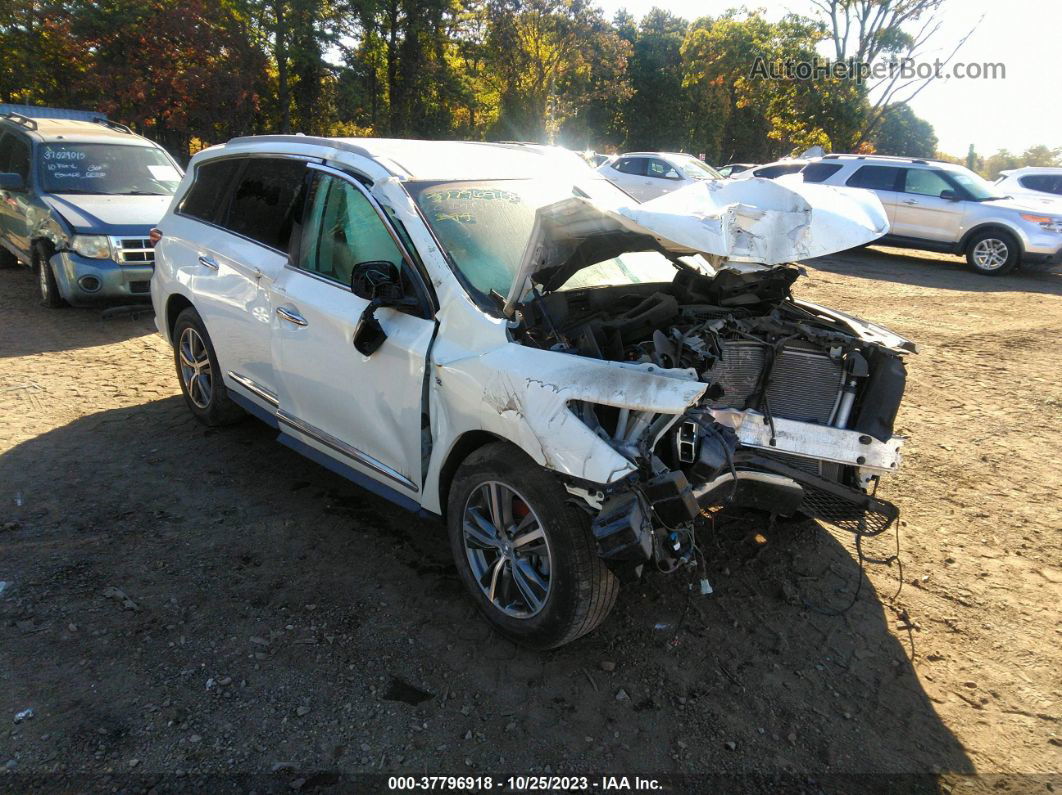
point(11, 181)
point(950, 195)
point(380, 283)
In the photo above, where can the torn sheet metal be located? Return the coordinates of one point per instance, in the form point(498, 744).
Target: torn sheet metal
point(748, 221)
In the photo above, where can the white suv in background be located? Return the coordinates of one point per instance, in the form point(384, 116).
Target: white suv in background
point(646, 175)
point(1032, 182)
point(937, 206)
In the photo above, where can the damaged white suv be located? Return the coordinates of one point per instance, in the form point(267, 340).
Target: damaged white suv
point(487, 333)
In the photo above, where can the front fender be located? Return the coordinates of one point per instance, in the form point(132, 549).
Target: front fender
point(522, 394)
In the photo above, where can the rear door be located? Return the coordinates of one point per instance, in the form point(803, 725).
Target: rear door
point(922, 213)
point(886, 182)
point(228, 240)
point(629, 174)
point(363, 412)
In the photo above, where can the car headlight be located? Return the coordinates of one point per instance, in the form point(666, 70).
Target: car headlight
point(1044, 221)
point(91, 246)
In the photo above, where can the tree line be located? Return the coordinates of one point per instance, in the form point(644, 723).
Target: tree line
point(194, 72)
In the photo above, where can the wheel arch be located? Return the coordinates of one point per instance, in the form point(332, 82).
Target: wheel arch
point(990, 226)
point(175, 304)
point(466, 444)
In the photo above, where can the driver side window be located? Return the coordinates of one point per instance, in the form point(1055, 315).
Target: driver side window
point(343, 229)
point(924, 182)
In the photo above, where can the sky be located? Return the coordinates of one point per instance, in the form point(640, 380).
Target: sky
point(1016, 112)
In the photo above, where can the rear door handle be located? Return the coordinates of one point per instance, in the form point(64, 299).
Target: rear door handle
point(291, 316)
point(910, 201)
point(208, 262)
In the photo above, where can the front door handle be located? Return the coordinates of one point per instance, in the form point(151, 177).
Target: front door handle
point(910, 201)
point(208, 262)
point(291, 316)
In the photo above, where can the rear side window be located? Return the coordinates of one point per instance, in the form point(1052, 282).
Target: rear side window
point(875, 178)
point(264, 199)
point(1042, 182)
point(211, 186)
point(819, 172)
point(770, 172)
point(631, 165)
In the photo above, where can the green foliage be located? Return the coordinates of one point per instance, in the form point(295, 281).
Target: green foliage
point(194, 72)
point(901, 132)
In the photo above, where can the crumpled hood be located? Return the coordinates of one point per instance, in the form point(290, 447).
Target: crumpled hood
point(757, 221)
point(109, 215)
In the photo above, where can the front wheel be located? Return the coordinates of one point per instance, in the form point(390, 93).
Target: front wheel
point(993, 253)
point(199, 372)
point(524, 551)
point(49, 290)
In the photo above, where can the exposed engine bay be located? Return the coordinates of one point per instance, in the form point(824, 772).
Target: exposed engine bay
point(797, 416)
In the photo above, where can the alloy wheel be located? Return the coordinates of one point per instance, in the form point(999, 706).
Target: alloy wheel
point(990, 254)
point(507, 550)
point(195, 368)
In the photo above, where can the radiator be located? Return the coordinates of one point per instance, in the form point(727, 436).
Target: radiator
point(804, 384)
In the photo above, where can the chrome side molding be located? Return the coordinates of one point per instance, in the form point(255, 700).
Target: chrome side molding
point(345, 449)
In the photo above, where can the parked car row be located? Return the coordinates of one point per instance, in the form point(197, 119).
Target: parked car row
point(931, 205)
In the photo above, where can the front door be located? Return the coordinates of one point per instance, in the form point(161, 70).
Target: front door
point(15, 205)
point(922, 213)
point(363, 412)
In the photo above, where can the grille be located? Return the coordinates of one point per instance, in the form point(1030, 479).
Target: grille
point(804, 384)
point(140, 287)
point(846, 515)
point(133, 250)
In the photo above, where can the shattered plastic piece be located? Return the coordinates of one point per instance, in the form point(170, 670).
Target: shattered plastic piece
point(706, 587)
point(25, 714)
point(3, 586)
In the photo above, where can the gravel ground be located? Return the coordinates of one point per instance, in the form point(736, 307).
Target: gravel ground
point(189, 608)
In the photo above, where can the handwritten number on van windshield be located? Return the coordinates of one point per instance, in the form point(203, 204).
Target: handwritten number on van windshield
point(73, 164)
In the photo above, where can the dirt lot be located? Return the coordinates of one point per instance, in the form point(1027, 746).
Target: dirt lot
point(184, 607)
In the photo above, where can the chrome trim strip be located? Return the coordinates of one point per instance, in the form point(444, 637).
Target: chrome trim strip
point(345, 449)
point(259, 392)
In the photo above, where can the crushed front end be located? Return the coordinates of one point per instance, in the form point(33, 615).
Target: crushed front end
point(796, 417)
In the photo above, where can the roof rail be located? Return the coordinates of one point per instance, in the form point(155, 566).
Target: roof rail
point(18, 118)
point(113, 125)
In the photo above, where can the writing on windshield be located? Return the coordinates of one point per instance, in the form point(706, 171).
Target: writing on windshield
point(106, 169)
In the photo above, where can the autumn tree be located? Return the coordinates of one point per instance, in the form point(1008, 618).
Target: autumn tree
point(901, 132)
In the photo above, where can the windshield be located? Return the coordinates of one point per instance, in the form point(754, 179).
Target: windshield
point(695, 169)
point(485, 226)
point(979, 189)
point(109, 169)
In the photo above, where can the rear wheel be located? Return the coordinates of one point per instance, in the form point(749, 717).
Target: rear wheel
point(524, 552)
point(46, 285)
point(199, 373)
point(993, 252)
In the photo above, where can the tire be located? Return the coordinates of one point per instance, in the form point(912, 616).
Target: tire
point(7, 259)
point(993, 253)
point(46, 285)
point(579, 591)
point(199, 373)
